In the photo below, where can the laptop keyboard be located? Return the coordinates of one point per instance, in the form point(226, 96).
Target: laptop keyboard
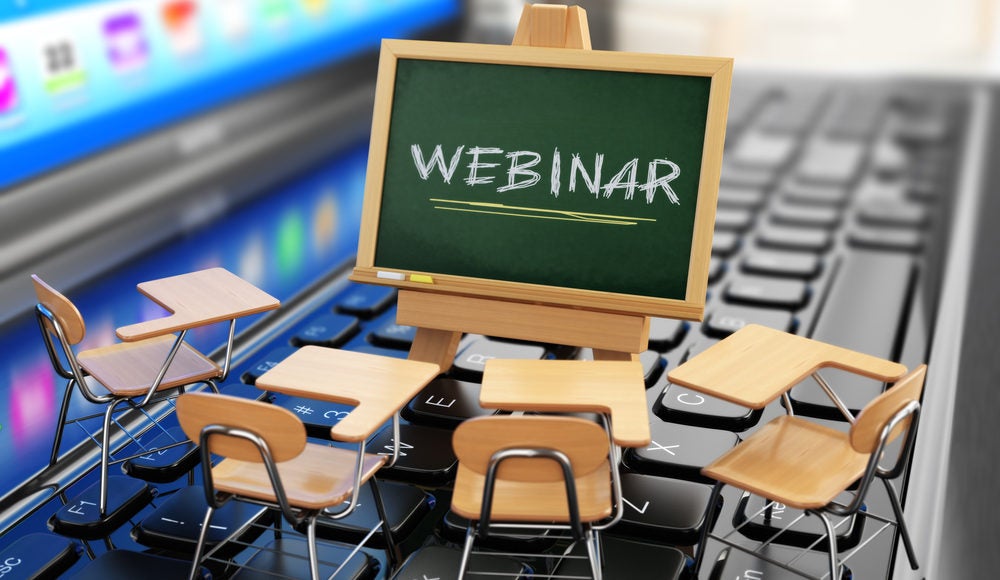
point(833, 206)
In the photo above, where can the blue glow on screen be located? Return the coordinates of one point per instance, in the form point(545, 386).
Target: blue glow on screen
point(79, 76)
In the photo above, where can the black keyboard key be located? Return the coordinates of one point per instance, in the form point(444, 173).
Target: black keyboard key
point(430, 562)
point(392, 335)
point(288, 557)
point(785, 264)
point(733, 563)
point(727, 319)
point(736, 220)
point(81, 517)
point(679, 451)
point(161, 465)
point(317, 415)
point(405, 507)
point(868, 325)
point(425, 455)
point(796, 528)
point(771, 292)
point(895, 239)
point(817, 216)
point(454, 526)
point(626, 559)
point(331, 330)
point(471, 360)
point(666, 333)
point(661, 509)
point(688, 407)
point(130, 564)
point(38, 555)
point(266, 363)
point(792, 238)
point(725, 243)
point(175, 524)
point(365, 300)
point(446, 402)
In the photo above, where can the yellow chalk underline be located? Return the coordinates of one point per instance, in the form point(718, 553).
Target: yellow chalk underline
point(542, 210)
point(541, 217)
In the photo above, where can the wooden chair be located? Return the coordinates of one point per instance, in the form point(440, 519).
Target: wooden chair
point(805, 465)
point(536, 472)
point(267, 460)
point(133, 373)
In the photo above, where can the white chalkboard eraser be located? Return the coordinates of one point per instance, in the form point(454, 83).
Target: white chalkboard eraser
point(391, 275)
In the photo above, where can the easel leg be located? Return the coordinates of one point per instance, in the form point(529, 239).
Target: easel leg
point(435, 346)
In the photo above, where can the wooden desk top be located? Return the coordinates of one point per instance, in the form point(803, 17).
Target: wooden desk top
point(572, 386)
point(196, 299)
point(756, 364)
point(377, 386)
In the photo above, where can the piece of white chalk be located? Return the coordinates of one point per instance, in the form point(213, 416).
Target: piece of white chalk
point(391, 275)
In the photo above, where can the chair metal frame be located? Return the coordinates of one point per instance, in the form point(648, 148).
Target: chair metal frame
point(49, 324)
point(579, 531)
point(295, 516)
point(873, 469)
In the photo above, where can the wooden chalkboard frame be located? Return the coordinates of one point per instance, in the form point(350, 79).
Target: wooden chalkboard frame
point(691, 307)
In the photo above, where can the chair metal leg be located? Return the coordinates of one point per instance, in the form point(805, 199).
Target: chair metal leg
point(200, 546)
point(593, 554)
point(311, 539)
point(904, 533)
point(106, 454)
point(831, 538)
point(470, 536)
point(391, 548)
point(705, 525)
point(61, 424)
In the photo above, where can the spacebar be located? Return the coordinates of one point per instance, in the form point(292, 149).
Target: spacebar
point(864, 311)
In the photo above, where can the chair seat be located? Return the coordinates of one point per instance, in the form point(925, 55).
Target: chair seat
point(319, 477)
point(127, 369)
point(533, 501)
point(794, 461)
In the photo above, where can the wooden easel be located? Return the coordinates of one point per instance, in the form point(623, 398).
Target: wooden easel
point(441, 319)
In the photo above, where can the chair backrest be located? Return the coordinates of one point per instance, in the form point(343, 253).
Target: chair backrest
point(283, 432)
point(876, 415)
point(584, 442)
point(64, 311)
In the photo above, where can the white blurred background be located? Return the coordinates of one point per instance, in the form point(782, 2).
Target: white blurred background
point(939, 36)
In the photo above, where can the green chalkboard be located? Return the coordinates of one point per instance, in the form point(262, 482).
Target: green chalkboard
point(574, 177)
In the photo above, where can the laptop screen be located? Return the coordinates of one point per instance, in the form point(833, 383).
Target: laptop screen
point(79, 76)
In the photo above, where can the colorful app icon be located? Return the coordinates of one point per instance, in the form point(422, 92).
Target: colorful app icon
point(8, 89)
point(128, 49)
point(315, 7)
point(180, 18)
point(61, 68)
point(234, 18)
point(276, 12)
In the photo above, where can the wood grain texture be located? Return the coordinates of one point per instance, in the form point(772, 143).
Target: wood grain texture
point(536, 322)
point(128, 369)
point(196, 299)
point(435, 346)
point(612, 387)
point(318, 478)
point(875, 416)
point(280, 428)
point(756, 364)
point(377, 386)
point(584, 442)
point(532, 490)
point(791, 460)
point(65, 311)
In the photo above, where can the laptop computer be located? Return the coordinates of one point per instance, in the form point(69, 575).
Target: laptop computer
point(141, 140)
